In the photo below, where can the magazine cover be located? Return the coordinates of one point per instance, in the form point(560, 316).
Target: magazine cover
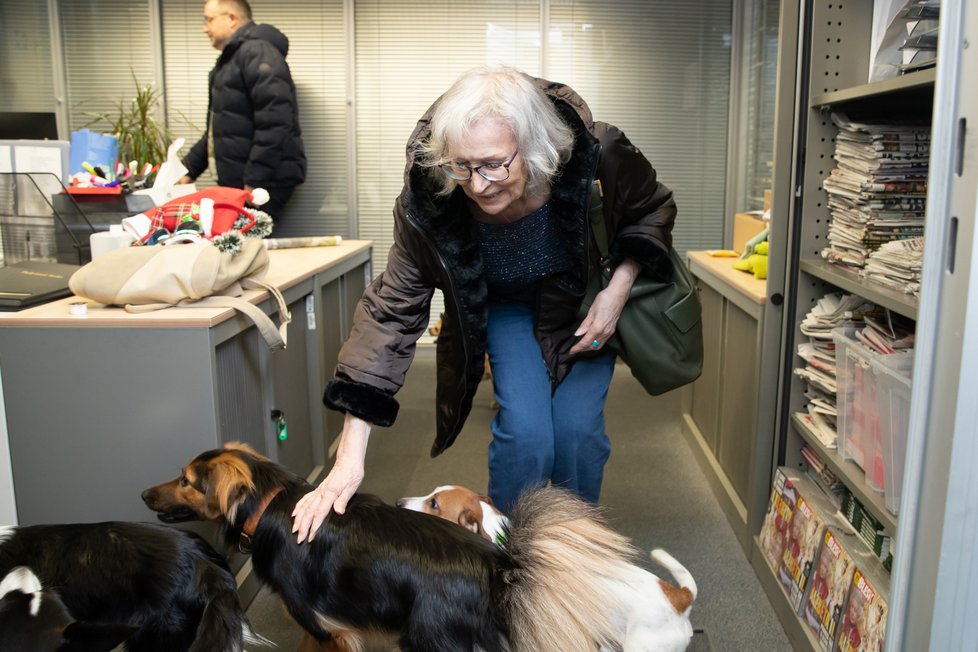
point(775, 527)
point(828, 589)
point(864, 622)
point(804, 534)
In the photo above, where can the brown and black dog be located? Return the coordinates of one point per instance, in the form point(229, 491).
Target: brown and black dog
point(421, 580)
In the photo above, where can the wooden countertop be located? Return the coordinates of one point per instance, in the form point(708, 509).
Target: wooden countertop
point(287, 267)
point(720, 269)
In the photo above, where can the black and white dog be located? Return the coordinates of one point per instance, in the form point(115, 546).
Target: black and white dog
point(169, 586)
point(33, 619)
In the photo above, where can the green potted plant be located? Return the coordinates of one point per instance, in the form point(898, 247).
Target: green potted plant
point(142, 137)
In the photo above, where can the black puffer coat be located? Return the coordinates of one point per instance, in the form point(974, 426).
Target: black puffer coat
point(254, 115)
point(436, 246)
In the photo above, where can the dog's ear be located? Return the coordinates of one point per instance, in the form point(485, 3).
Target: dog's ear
point(486, 499)
point(20, 578)
point(471, 521)
point(244, 448)
point(82, 635)
point(228, 480)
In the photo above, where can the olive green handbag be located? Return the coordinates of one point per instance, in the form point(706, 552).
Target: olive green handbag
point(660, 332)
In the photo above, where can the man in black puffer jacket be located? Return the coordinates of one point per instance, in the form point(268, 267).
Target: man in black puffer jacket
point(253, 115)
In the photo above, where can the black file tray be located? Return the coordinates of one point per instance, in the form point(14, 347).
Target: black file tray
point(40, 220)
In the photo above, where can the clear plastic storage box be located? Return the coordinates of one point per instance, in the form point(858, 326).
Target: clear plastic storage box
point(873, 398)
point(893, 380)
point(855, 395)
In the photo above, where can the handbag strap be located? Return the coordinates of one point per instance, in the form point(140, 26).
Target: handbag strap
point(276, 337)
point(595, 214)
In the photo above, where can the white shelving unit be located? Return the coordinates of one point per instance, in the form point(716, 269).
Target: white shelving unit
point(823, 66)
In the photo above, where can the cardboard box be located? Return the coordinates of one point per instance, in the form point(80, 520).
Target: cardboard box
point(767, 199)
point(746, 226)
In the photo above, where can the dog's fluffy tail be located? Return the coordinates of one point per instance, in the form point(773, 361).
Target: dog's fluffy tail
point(557, 595)
point(683, 599)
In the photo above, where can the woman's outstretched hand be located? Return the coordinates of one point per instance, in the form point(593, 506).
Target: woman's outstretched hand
point(335, 491)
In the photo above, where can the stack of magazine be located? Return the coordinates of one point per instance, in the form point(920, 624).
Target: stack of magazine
point(878, 191)
point(819, 371)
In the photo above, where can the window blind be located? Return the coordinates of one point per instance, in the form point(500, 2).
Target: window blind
point(187, 60)
point(759, 70)
point(316, 59)
point(407, 54)
point(660, 72)
point(106, 45)
point(26, 69)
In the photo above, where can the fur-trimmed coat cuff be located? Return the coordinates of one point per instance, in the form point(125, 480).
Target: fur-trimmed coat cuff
point(362, 401)
point(655, 261)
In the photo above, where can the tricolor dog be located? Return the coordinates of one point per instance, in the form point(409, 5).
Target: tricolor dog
point(472, 511)
point(649, 613)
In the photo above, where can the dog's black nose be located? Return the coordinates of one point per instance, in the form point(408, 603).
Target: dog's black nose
point(145, 495)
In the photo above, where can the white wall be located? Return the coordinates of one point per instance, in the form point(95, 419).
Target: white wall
point(8, 508)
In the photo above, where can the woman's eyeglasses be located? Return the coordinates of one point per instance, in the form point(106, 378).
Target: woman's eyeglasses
point(488, 171)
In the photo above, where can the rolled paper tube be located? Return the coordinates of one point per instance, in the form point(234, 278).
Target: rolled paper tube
point(303, 241)
point(207, 215)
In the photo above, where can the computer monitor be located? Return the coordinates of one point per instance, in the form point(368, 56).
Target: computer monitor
point(17, 125)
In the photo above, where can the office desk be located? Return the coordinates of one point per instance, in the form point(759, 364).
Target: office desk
point(720, 409)
point(101, 406)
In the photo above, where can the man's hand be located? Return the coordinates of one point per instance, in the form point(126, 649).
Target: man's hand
point(184, 180)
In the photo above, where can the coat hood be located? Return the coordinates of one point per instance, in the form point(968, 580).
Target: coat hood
point(259, 32)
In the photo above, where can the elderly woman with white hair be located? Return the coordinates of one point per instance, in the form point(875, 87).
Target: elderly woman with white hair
point(501, 172)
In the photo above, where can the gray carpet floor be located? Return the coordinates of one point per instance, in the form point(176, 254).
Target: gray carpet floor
point(654, 492)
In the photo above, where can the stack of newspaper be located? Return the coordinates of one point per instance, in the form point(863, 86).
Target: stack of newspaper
point(897, 265)
point(819, 372)
point(878, 191)
point(887, 334)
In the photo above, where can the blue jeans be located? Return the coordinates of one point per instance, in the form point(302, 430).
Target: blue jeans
point(539, 435)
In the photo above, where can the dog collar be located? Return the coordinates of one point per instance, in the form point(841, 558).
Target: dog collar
point(248, 530)
point(500, 538)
